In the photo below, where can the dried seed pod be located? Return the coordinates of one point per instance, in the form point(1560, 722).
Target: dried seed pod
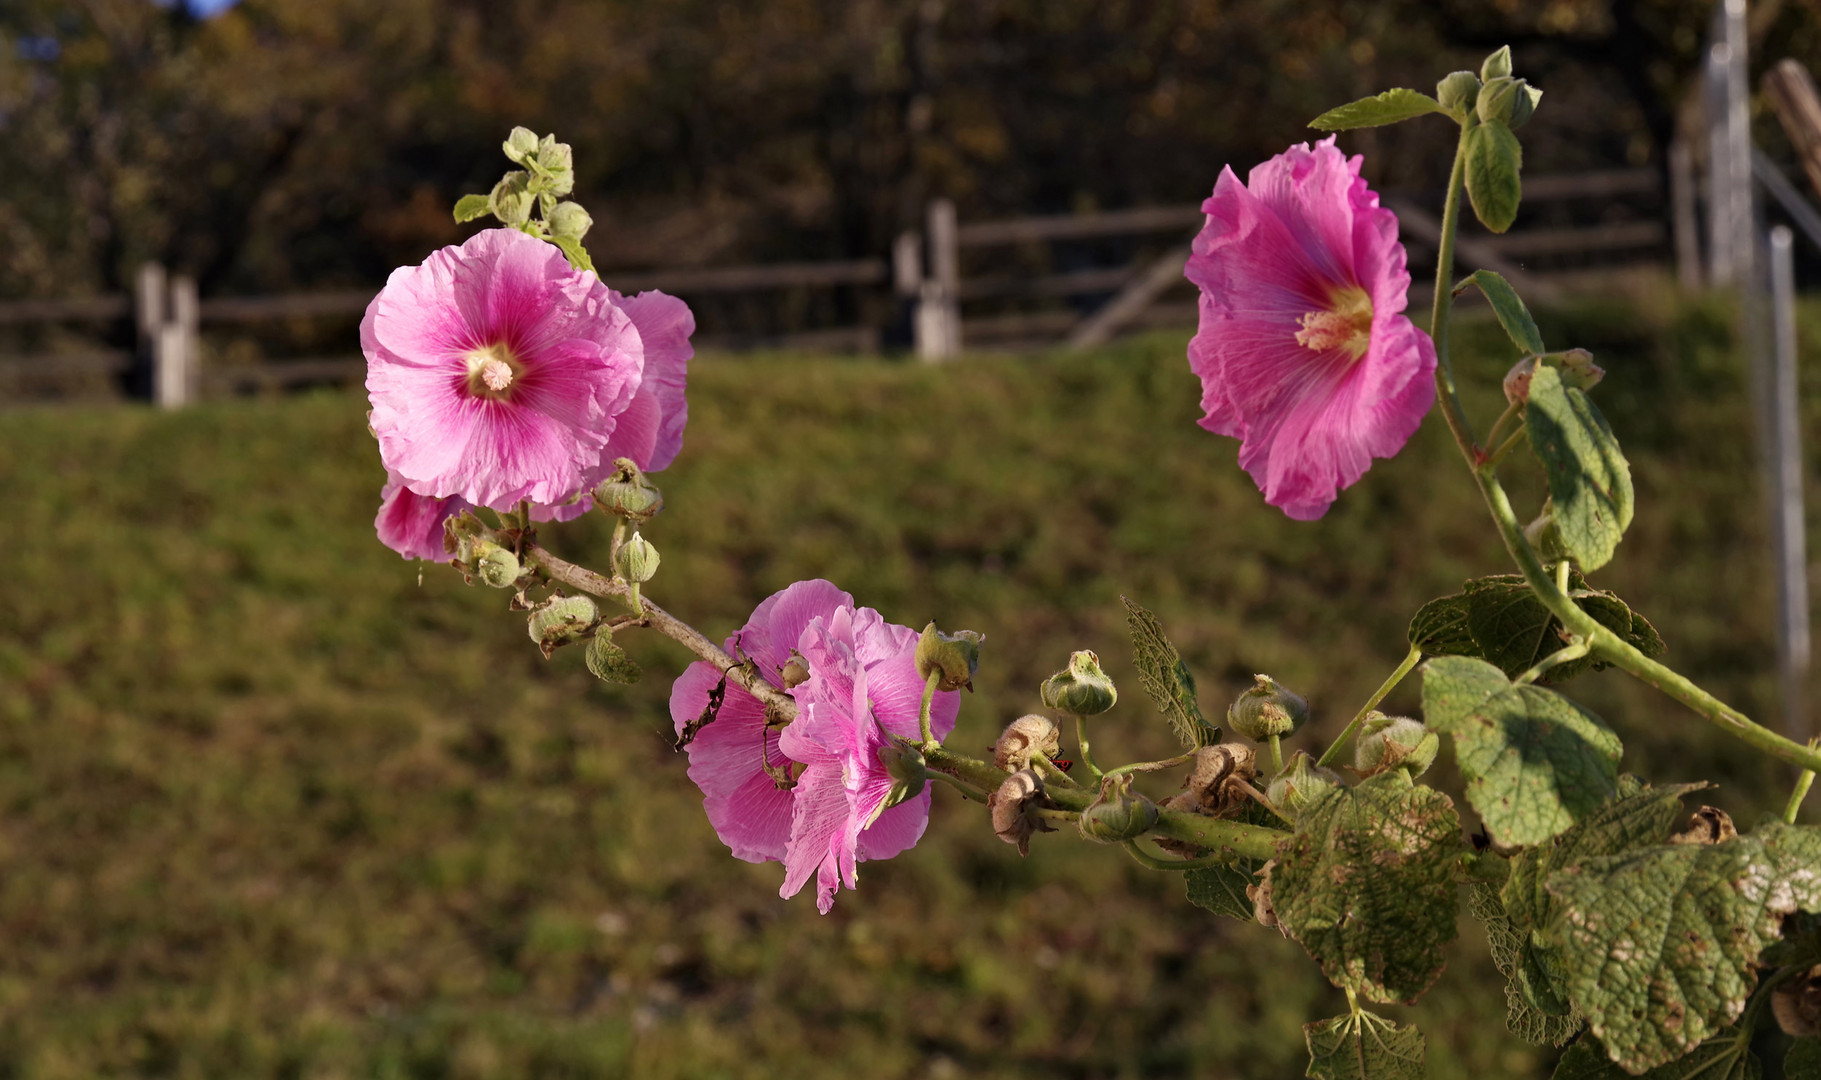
point(1711, 825)
point(1013, 809)
point(1260, 894)
point(1025, 737)
point(1221, 779)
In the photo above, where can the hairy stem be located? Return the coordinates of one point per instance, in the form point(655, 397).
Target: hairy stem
point(1501, 426)
point(929, 697)
point(967, 790)
point(1277, 754)
point(1087, 756)
point(747, 678)
point(1410, 660)
point(1444, 305)
point(1794, 806)
point(1572, 651)
point(1161, 862)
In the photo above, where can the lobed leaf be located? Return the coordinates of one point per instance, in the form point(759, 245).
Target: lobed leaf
point(1589, 479)
point(1167, 679)
point(1389, 107)
point(1525, 1017)
point(1439, 628)
point(1507, 625)
point(1494, 159)
point(1534, 761)
point(1222, 889)
point(469, 207)
point(1657, 945)
point(1364, 1046)
point(1510, 309)
point(1726, 1056)
point(1366, 885)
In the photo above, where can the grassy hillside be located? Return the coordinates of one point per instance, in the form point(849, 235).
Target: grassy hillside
point(273, 807)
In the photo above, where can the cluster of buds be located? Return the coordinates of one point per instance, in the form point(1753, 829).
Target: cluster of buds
point(476, 555)
point(1492, 96)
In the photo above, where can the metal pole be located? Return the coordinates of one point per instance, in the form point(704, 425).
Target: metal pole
point(1790, 535)
point(939, 309)
point(1719, 186)
point(1682, 215)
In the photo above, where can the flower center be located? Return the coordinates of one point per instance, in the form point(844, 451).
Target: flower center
point(492, 370)
point(1345, 325)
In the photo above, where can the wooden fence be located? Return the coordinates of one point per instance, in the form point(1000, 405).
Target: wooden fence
point(955, 284)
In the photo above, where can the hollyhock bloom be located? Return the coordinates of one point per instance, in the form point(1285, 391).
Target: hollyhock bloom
point(1303, 351)
point(862, 670)
point(498, 372)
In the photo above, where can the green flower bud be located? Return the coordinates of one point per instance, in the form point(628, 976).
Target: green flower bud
point(561, 620)
point(795, 671)
point(1457, 92)
point(569, 219)
point(1300, 784)
point(628, 494)
point(1497, 66)
point(555, 156)
point(521, 144)
point(495, 565)
point(512, 198)
point(609, 662)
point(1118, 814)
point(1081, 689)
point(1496, 100)
point(1392, 742)
point(1546, 536)
point(1023, 739)
point(956, 656)
point(1525, 105)
point(909, 776)
point(1267, 709)
point(638, 559)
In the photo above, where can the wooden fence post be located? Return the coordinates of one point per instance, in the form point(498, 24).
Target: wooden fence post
point(148, 305)
point(1685, 225)
point(174, 346)
point(938, 321)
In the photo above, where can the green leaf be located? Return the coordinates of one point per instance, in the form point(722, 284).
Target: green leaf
point(577, 254)
point(1800, 946)
point(1222, 889)
point(1657, 945)
point(1166, 678)
point(1534, 761)
point(1364, 1046)
point(1511, 312)
point(1512, 629)
point(1366, 885)
point(1526, 1019)
point(1726, 1056)
point(1493, 160)
point(1386, 108)
point(1803, 1062)
point(1439, 628)
point(1589, 480)
point(469, 207)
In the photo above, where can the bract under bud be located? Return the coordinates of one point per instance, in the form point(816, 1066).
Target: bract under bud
point(956, 656)
point(609, 662)
point(1267, 709)
point(638, 560)
point(1456, 92)
point(1300, 784)
point(561, 620)
point(628, 494)
point(1497, 66)
point(1394, 742)
point(1014, 809)
point(1081, 689)
point(1023, 739)
point(904, 762)
point(1118, 814)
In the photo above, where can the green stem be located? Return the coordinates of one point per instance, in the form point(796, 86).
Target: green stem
point(983, 775)
point(1050, 773)
point(1511, 443)
point(923, 720)
point(1059, 817)
point(1444, 304)
point(1616, 651)
point(1410, 661)
point(1496, 436)
point(1572, 651)
point(1158, 862)
point(1795, 797)
point(967, 790)
point(1087, 756)
point(1277, 755)
point(1152, 766)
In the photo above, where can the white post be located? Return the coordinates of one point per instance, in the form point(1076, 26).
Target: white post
point(938, 321)
point(1789, 532)
point(148, 303)
point(174, 346)
point(1682, 215)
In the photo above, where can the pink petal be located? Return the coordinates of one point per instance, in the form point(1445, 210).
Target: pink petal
point(665, 325)
point(748, 810)
point(411, 524)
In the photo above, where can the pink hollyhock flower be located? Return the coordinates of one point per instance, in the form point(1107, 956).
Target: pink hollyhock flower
point(1303, 351)
point(498, 372)
point(863, 674)
point(412, 524)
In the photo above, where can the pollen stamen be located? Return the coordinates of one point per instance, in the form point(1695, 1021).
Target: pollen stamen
point(1346, 325)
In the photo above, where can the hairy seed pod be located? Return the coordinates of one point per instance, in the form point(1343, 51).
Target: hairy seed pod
point(1023, 739)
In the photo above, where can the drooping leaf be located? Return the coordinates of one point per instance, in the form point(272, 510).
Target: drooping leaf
point(1726, 1056)
point(469, 207)
point(1364, 1046)
point(1657, 945)
point(1439, 628)
point(1526, 1019)
point(1534, 761)
point(1166, 678)
point(1494, 160)
point(1222, 889)
point(1386, 108)
point(1510, 309)
point(1589, 479)
point(1366, 884)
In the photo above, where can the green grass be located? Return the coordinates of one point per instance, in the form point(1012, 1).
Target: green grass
point(273, 808)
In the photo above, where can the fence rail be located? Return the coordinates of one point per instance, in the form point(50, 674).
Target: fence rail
point(924, 271)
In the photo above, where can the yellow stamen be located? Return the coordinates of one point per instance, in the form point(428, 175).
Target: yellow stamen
point(1345, 325)
point(492, 370)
